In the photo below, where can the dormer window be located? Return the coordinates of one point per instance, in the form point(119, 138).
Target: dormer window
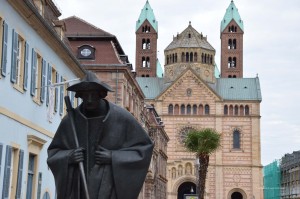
point(86, 52)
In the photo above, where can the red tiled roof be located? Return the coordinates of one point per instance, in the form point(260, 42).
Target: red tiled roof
point(76, 26)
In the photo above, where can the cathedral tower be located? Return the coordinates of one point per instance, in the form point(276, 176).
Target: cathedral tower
point(146, 43)
point(232, 31)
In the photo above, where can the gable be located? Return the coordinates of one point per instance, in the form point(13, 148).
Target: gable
point(189, 87)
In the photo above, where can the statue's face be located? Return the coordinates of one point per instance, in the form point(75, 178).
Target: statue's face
point(90, 99)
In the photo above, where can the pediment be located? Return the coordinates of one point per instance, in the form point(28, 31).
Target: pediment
point(189, 86)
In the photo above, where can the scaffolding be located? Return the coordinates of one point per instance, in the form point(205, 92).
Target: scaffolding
point(290, 175)
point(272, 176)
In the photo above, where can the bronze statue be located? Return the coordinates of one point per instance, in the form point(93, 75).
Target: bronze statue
point(114, 150)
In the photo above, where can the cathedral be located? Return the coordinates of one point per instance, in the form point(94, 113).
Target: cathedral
point(193, 94)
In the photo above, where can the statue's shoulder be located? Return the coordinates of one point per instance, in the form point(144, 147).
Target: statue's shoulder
point(119, 111)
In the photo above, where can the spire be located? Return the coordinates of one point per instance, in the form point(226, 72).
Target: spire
point(232, 13)
point(147, 14)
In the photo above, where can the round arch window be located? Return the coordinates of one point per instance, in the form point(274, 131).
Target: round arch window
point(236, 195)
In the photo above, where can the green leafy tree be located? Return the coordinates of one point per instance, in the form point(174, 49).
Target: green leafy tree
point(202, 142)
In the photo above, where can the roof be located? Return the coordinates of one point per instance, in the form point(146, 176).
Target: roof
point(238, 88)
point(151, 86)
point(190, 38)
point(217, 71)
point(147, 14)
point(226, 88)
point(159, 69)
point(232, 13)
point(79, 27)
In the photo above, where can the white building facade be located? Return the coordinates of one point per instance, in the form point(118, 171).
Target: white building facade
point(32, 56)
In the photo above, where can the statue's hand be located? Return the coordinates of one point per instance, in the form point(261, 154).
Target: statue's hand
point(102, 156)
point(76, 156)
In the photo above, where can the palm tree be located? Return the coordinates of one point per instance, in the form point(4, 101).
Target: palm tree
point(203, 142)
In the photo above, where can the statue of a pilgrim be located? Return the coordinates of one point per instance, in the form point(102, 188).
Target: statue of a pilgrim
point(113, 147)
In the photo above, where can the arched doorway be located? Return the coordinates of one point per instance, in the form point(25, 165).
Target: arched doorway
point(236, 195)
point(186, 188)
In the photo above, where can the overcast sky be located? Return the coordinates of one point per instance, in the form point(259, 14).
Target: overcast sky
point(271, 49)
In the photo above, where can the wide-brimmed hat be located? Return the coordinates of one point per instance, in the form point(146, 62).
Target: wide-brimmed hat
point(90, 82)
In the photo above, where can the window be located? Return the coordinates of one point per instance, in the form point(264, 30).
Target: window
point(35, 145)
point(49, 74)
point(12, 180)
point(30, 176)
point(146, 29)
point(148, 44)
point(143, 62)
point(3, 46)
point(55, 79)
point(242, 110)
point(148, 62)
point(176, 109)
point(230, 110)
point(236, 139)
point(206, 109)
point(229, 44)
point(143, 44)
point(38, 77)
point(225, 110)
point(200, 112)
point(194, 109)
point(229, 62)
point(182, 57)
point(247, 110)
point(187, 57)
point(233, 64)
point(234, 44)
point(191, 57)
point(19, 66)
point(86, 52)
point(195, 57)
point(236, 110)
point(188, 109)
point(170, 109)
point(182, 109)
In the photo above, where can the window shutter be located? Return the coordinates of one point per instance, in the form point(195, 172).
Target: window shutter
point(6, 179)
point(26, 66)
point(56, 92)
point(33, 75)
point(61, 99)
point(4, 49)
point(39, 185)
point(20, 173)
point(72, 99)
point(43, 80)
point(1, 149)
point(13, 73)
point(48, 82)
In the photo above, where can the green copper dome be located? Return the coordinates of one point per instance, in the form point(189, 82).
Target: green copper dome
point(232, 13)
point(147, 14)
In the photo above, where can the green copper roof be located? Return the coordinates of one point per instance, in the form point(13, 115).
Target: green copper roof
point(227, 88)
point(238, 88)
point(159, 69)
point(147, 14)
point(217, 72)
point(232, 13)
point(151, 86)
